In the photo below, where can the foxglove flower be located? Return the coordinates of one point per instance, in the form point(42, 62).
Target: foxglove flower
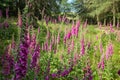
point(21, 64)
point(50, 46)
point(109, 51)
point(46, 46)
point(7, 61)
point(19, 20)
point(35, 56)
point(48, 35)
point(65, 38)
point(101, 64)
point(66, 71)
point(82, 47)
point(47, 78)
point(101, 48)
point(87, 73)
point(111, 29)
point(68, 35)
point(69, 49)
point(32, 42)
point(58, 38)
point(72, 44)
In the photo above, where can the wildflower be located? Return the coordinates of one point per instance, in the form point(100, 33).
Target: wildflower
point(68, 35)
point(46, 46)
point(65, 38)
point(50, 47)
point(21, 64)
point(82, 47)
point(101, 64)
point(54, 75)
point(7, 61)
point(109, 51)
point(33, 41)
point(87, 73)
point(77, 28)
point(69, 49)
point(35, 56)
point(66, 71)
point(111, 29)
point(101, 48)
point(58, 38)
point(72, 44)
point(19, 20)
point(47, 78)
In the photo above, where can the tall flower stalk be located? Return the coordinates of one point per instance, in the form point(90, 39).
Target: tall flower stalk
point(21, 64)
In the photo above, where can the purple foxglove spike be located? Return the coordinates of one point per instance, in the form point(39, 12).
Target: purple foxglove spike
point(47, 78)
point(7, 61)
point(111, 28)
point(54, 75)
point(50, 47)
point(19, 20)
point(46, 46)
point(82, 47)
point(58, 38)
point(69, 49)
point(35, 56)
point(69, 35)
point(33, 41)
point(72, 44)
point(101, 48)
point(111, 49)
point(21, 64)
point(65, 38)
point(48, 35)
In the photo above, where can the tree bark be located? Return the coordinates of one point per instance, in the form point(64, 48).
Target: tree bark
point(114, 13)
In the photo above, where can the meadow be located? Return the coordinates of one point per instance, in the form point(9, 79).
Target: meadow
point(58, 50)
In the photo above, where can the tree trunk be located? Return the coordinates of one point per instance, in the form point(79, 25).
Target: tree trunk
point(114, 13)
point(104, 22)
point(98, 20)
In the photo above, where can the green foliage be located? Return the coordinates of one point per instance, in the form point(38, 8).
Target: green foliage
point(6, 33)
